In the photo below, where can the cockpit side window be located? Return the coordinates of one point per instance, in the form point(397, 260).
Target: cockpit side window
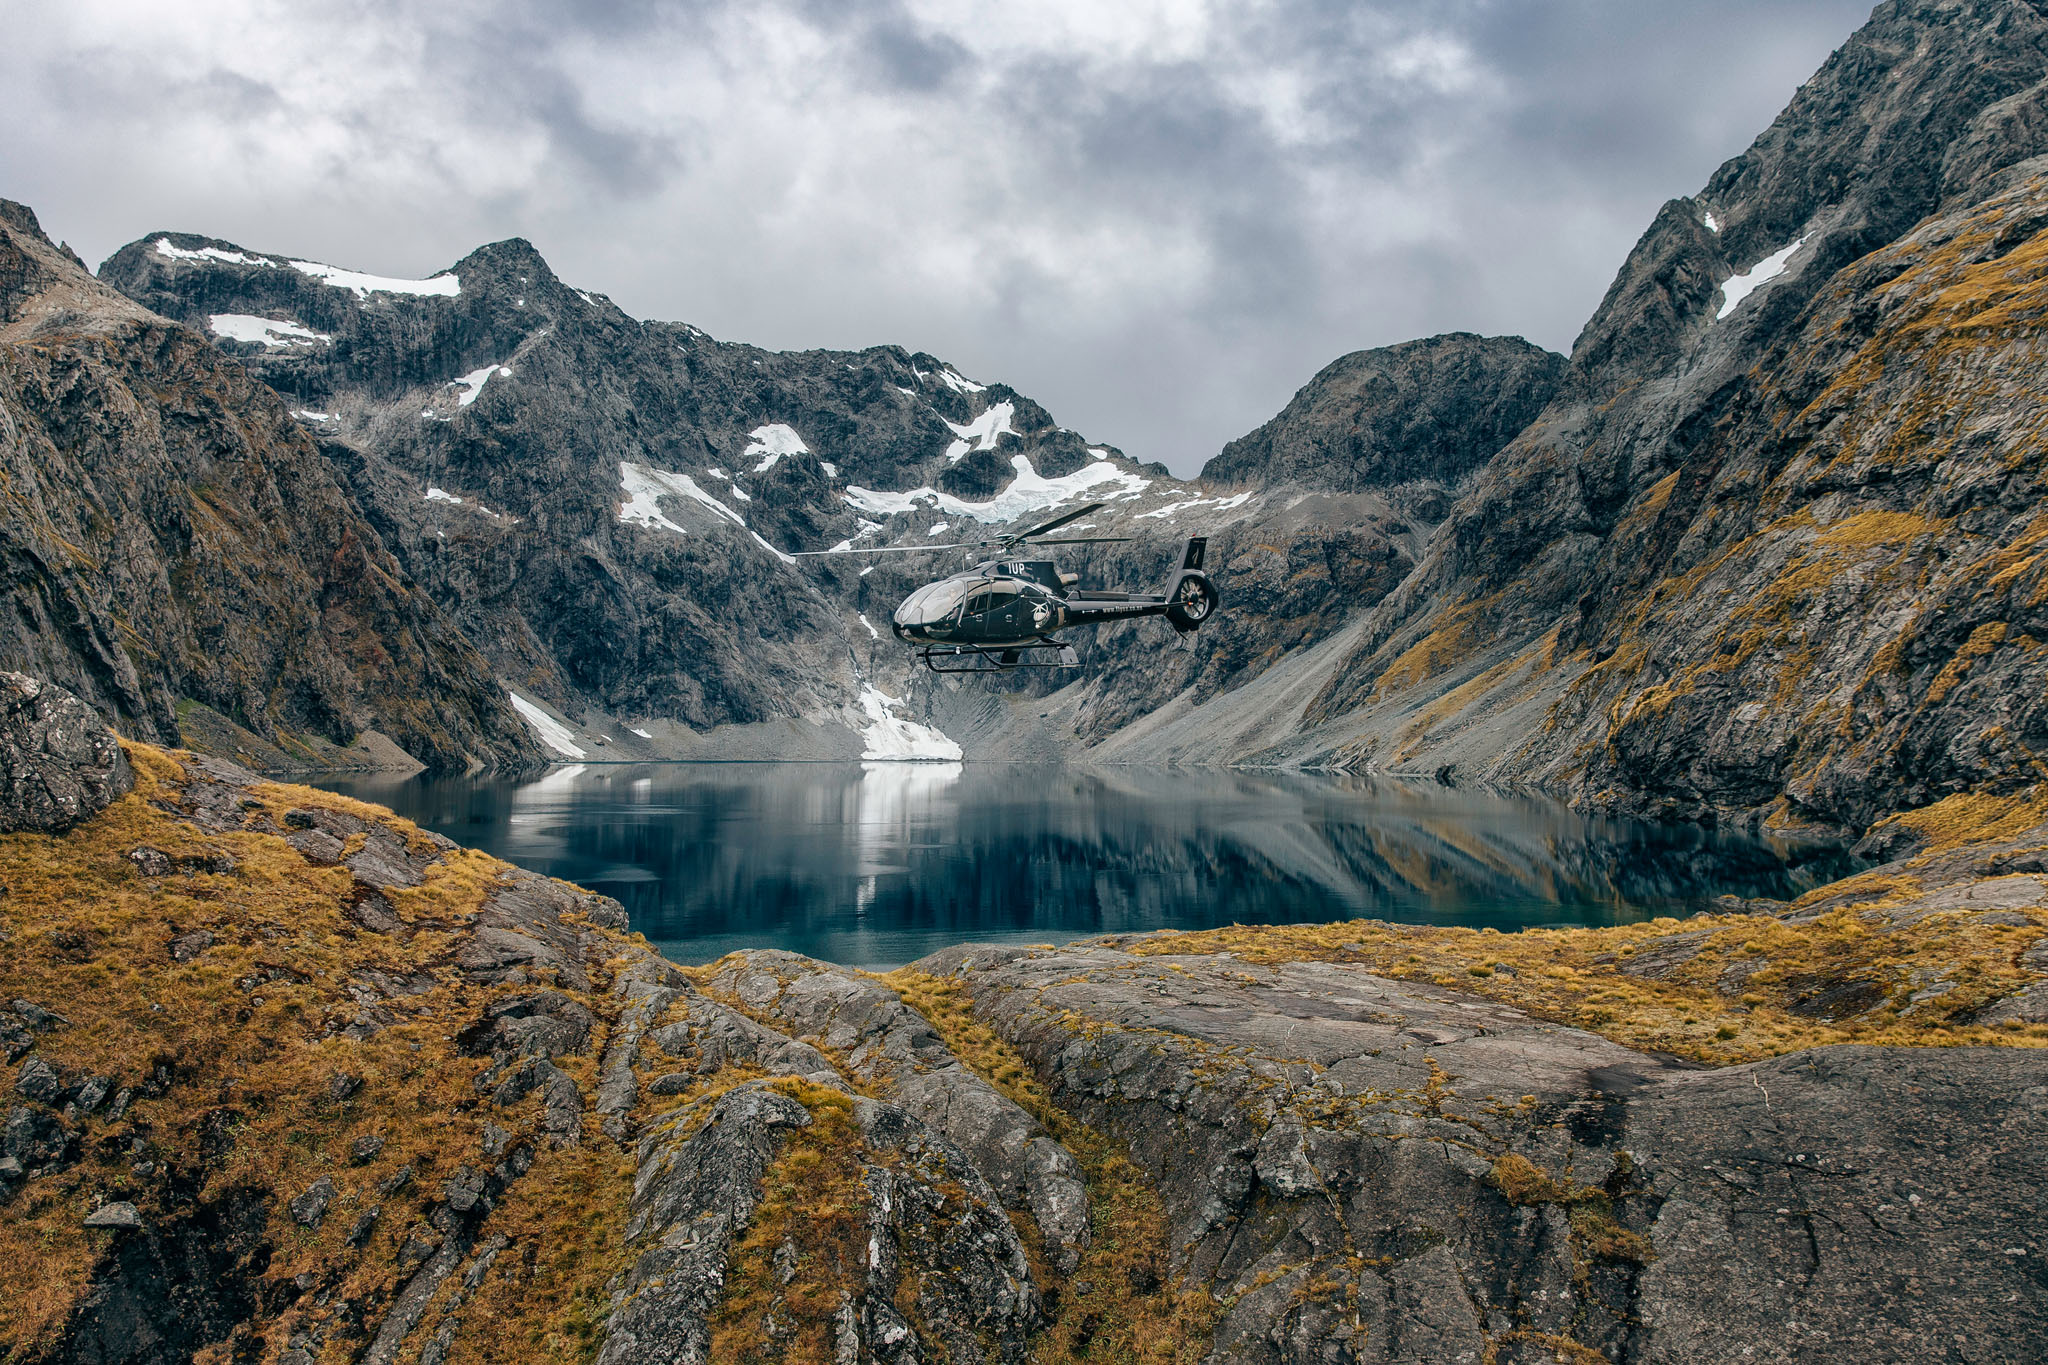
point(993, 597)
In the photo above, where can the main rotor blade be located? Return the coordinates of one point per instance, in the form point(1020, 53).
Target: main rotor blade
point(890, 550)
point(1081, 540)
point(1058, 521)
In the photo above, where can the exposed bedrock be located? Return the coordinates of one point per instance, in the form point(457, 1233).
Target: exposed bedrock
point(884, 1041)
point(1380, 1171)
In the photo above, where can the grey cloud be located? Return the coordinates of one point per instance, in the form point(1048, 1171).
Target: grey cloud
point(1156, 255)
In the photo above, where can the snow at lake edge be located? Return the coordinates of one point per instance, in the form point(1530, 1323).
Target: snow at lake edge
point(892, 737)
point(546, 728)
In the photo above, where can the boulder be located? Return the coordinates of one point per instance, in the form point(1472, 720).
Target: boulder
point(121, 1215)
point(59, 763)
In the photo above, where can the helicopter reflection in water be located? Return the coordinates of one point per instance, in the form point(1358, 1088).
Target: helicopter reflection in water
point(877, 864)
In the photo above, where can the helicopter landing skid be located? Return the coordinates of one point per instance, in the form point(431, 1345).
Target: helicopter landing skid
point(994, 659)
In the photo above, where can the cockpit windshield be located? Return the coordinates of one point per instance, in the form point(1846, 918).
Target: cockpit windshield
point(934, 602)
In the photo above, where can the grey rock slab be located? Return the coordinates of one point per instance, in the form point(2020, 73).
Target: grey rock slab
point(1887, 1207)
point(1839, 1204)
point(189, 945)
point(384, 862)
point(120, 1214)
point(38, 1080)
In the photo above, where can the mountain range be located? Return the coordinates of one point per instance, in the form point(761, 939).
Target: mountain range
point(297, 1080)
point(1760, 548)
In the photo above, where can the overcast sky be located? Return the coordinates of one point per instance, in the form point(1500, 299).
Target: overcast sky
point(1157, 217)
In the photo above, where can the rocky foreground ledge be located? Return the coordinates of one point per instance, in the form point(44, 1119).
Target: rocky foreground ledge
point(294, 1080)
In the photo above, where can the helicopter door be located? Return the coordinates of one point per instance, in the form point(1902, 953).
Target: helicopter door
point(992, 612)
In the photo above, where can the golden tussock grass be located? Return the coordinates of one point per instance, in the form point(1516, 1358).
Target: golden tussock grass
point(1575, 976)
point(249, 1034)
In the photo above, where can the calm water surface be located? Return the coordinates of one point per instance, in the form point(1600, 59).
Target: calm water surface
point(876, 864)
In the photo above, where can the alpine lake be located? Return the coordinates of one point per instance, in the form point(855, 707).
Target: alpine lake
point(876, 864)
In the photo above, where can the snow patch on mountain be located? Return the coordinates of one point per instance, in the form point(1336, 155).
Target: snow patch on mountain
point(263, 331)
point(546, 728)
point(443, 286)
point(473, 383)
point(982, 432)
point(645, 487)
point(1741, 286)
point(951, 378)
point(208, 253)
point(1217, 504)
point(1029, 492)
point(771, 443)
point(787, 559)
point(893, 737)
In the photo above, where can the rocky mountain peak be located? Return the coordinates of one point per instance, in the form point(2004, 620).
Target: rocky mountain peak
point(1921, 103)
point(1434, 410)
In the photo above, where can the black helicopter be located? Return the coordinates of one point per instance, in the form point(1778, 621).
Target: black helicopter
point(991, 617)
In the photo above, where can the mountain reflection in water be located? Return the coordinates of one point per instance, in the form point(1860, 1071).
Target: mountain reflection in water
point(879, 863)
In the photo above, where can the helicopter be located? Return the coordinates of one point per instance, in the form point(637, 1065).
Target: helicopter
point(1002, 613)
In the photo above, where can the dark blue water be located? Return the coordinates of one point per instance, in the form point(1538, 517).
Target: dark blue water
point(876, 864)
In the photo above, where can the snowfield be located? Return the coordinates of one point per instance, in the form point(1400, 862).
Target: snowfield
point(1028, 492)
point(645, 487)
point(473, 383)
point(981, 433)
point(771, 443)
point(263, 331)
point(546, 728)
point(208, 253)
point(442, 286)
point(895, 738)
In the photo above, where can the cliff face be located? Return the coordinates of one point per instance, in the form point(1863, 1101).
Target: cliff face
point(173, 537)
